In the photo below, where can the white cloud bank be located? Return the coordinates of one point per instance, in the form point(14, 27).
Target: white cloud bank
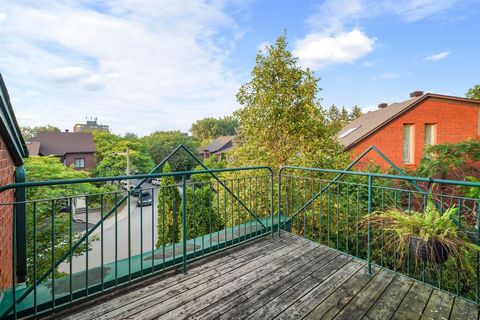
point(335, 36)
point(138, 66)
point(438, 56)
point(317, 50)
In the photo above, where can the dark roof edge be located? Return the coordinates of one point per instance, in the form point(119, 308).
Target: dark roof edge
point(10, 129)
point(412, 105)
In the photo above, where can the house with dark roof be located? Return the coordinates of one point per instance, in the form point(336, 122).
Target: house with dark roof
point(402, 130)
point(72, 148)
point(218, 148)
point(12, 151)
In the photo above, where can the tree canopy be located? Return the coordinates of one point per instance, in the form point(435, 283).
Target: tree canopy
point(109, 164)
point(161, 143)
point(281, 120)
point(28, 132)
point(208, 129)
point(474, 92)
point(52, 198)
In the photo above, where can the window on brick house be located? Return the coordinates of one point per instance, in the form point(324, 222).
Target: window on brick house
point(408, 143)
point(79, 163)
point(430, 137)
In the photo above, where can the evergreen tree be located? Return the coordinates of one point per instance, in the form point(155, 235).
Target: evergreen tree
point(355, 113)
point(169, 213)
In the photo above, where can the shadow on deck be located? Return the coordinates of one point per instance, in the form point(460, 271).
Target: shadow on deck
point(284, 277)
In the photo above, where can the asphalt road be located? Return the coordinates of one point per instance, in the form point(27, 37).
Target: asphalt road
point(116, 235)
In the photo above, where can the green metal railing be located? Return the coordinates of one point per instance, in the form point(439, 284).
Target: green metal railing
point(112, 242)
point(130, 235)
point(331, 206)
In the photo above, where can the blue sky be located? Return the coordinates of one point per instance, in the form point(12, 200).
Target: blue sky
point(141, 65)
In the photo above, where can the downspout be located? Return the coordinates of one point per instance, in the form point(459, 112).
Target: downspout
point(21, 227)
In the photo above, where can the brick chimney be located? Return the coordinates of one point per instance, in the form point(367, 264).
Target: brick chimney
point(382, 105)
point(415, 94)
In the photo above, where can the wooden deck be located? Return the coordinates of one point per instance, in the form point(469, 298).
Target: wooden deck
point(285, 277)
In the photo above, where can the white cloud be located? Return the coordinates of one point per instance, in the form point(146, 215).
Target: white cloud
point(3, 17)
point(438, 56)
point(161, 64)
point(335, 36)
point(317, 50)
point(67, 74)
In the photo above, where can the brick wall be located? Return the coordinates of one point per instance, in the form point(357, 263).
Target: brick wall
point(89, 159)
point(455, 122)
point(7, 174)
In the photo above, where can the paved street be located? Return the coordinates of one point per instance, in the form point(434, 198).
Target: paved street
point(141, 218)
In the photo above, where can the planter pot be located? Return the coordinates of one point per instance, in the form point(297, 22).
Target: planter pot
point(431, 251)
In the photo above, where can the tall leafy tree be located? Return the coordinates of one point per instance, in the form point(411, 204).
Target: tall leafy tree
point(474, 92)
point(161, 143)
point(52, 200)
point(281, 120)
point(210, 128)
point(108, 163)
point(28, 132)
point(169, 215)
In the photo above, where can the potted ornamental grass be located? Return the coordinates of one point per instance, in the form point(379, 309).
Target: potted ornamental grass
point(431, 236)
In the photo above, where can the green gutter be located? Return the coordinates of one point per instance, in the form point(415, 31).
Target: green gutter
point(21, 225)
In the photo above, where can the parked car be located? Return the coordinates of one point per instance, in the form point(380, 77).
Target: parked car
point(156, 181)
point(144, 199)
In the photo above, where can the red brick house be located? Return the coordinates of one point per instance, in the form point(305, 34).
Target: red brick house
point(12, 152)
point(402, 130)
point(218, 148)
point(72, 148)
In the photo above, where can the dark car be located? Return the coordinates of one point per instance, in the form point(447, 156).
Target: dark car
point(144, 199)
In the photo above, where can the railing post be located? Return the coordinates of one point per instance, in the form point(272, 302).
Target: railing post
point(279, 199)
point(369, 240)
point(272, 206)
point(184, 222)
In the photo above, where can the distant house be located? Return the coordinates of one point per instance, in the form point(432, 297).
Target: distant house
point(403, 130)
point(12, 152)
point(89, 126)
point(218, 148)
point(73, 148)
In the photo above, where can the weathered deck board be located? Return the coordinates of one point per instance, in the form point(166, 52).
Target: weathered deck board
point(285, 277)
point(388, 302)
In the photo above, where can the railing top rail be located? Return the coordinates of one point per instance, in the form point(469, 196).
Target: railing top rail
point(131, 177)
point(387, 176)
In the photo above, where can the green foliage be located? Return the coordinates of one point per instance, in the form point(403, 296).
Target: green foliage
point(211, 163)
point(211, 128)
point(45, 169)
point(431, 226)
point(28, 132)
point(202, 213)
point(473, 192)
point(455, 158)
point(474, 92)
point(355, 113)
point(281, 121)
point(162, 143)
point(108, 164)
point(169, 213)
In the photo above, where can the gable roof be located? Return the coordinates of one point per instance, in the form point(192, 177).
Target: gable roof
point(9, 129)
point(371, 121)
point(61, 143)
point(217, 144)
point(33, 148)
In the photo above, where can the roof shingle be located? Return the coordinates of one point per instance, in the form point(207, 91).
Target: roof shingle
point(61, 143)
